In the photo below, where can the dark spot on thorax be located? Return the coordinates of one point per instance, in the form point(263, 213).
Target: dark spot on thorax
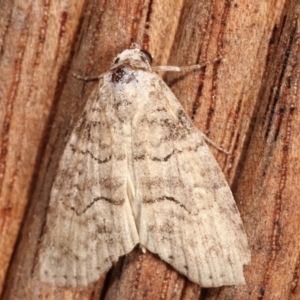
point(122, 74)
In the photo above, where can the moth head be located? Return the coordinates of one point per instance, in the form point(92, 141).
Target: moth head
point(134, 57)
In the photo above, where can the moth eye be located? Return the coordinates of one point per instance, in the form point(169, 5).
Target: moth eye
point(146, 56)
point(117, 60)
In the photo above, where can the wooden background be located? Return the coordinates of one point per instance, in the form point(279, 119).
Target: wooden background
point(247, 104)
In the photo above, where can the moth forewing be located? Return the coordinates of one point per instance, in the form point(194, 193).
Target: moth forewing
point(136, 170)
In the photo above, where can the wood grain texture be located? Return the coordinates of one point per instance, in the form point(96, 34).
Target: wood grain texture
point(35, 42)
point(247, 104)
point(269, 180)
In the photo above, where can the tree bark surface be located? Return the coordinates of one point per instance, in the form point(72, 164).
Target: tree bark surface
point(247, 103)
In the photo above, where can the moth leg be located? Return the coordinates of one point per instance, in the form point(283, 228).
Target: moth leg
point(87, 78)
point(215, 145)
point(183, 68)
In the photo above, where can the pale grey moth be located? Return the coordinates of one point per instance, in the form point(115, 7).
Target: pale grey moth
point(137, 171)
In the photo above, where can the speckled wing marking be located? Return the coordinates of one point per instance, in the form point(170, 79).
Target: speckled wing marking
point(136, 170)
point(188, 214)
point(90, 222)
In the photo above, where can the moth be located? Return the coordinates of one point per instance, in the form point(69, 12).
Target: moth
point(135, 170)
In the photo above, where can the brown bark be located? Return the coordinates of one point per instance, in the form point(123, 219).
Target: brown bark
point(35, 48)
point(247, 103)
point(269, 180)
